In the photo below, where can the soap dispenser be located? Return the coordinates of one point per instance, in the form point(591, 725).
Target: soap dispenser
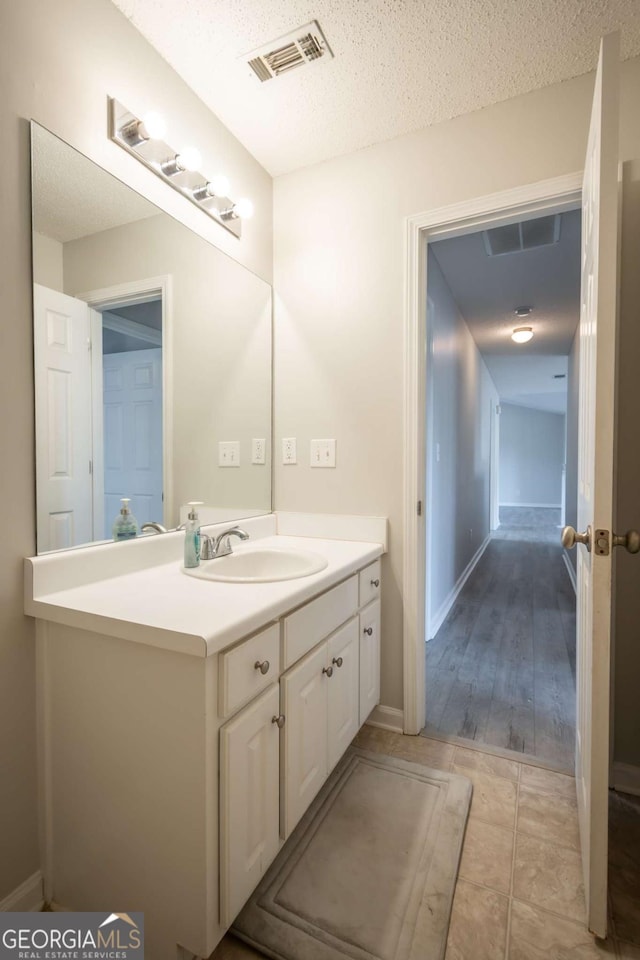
point(125, 526)
point(192, 536)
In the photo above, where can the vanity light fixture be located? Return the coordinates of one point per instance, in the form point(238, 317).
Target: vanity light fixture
point(144, 139)
point(522, 334)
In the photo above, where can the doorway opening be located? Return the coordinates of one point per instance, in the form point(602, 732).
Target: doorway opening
point(501, 480)
point(127, 358)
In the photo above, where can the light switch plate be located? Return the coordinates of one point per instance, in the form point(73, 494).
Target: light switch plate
point(289, 450)
point(229, 453)
point(323, 453)
point(258, 450)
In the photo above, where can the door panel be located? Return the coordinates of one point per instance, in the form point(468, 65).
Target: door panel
point(369, 659)
point(249, 801)
point(62, 363)
point(344, 685)
point(304, 698)
point(595, 477)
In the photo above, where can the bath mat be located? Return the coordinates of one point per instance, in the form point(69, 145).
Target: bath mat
point(369, 872)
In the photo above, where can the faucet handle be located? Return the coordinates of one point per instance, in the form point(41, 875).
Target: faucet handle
point(207, 547)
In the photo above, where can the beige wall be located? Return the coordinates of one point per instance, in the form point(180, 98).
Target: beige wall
point(58, 62)
point(338, 269)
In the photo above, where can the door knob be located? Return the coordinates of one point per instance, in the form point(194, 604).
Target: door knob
point(570, 537)
point(630, 540)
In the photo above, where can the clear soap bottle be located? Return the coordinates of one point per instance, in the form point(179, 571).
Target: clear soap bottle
point(192, 536)
point(125, 526)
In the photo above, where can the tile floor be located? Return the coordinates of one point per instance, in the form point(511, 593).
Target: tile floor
point(519, 894)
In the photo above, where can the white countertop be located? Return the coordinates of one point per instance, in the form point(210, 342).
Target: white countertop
point(163, 607)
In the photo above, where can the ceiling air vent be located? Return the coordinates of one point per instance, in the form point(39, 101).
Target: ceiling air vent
point(296, 49)
point(516, 237)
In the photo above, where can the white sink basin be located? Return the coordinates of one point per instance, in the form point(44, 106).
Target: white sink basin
point(260, 565)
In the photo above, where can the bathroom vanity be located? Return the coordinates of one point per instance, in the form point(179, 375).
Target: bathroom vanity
point(187, 724)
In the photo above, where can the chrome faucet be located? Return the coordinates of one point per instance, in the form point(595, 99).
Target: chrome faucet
point(211, 548)
point(152, 525)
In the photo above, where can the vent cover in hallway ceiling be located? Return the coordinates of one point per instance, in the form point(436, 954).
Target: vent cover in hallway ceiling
point(516, 237)
point(295, 49)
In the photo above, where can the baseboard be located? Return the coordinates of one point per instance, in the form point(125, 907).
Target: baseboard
point(626, 778)
point(27, 898)
point(547, 506)
point(570, 571)
point(387, 718)
point(438, 620)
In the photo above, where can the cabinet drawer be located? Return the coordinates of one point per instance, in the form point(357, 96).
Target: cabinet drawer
point(240, 678)
point(370, 583)
point(313, 622)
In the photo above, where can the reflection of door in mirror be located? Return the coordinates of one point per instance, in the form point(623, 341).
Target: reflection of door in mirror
point(110, 446)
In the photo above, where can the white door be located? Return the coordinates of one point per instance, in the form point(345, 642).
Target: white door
point(595, 478)
point(304, 699)
point(62, 363)
point(132, 423)
point(249, 795)
point(344, 706)
point(369, 659)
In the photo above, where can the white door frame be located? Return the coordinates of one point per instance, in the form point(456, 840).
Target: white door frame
point(142, 291)
point(555, 195)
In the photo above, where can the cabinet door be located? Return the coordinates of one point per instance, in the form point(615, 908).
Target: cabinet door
point(369, 659)
point(304, 699)
point(249, 794)
point(343, 688)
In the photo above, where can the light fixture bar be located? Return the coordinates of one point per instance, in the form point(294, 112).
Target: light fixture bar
point(129, 132)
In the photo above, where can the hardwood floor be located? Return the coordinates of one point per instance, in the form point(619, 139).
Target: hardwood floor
point(501, 669)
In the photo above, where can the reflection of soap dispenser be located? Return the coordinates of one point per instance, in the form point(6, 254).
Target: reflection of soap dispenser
point(192, 536)
point(125, 526)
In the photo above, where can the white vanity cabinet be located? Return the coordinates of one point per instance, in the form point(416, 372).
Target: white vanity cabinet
point(172, 773)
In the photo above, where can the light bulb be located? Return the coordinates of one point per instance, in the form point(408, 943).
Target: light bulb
point(243, 208)
point(153, 126)
point(522, 334)
point(188, 159)
point(219, 187)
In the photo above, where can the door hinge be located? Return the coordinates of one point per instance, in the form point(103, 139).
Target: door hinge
point(90, 466)
point(601, 543)
point(419, 508)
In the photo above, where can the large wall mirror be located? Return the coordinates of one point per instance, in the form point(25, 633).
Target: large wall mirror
point(152, 354)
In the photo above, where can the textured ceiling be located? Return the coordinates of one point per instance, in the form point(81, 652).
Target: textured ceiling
point(399, 65)
point(487, 291)
point(73, 197)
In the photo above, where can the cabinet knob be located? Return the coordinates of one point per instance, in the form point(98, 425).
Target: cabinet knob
point(368, 631)
point(375, 583)
point(338, 661)
point(263, 666)
point(279, 721)
point(328, 671)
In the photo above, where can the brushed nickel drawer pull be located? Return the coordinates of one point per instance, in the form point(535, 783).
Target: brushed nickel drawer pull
point(338, 661)
point(262, 666)
point(328, 671)
point(375, 583)
point(368, 631)
point(279, 721)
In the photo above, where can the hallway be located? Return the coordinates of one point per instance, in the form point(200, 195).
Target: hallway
point(501, 669)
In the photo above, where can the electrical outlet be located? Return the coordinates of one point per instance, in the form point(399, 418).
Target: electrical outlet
point(258, 451)
point(229, 453)
point(289, 450)
point(322, 453)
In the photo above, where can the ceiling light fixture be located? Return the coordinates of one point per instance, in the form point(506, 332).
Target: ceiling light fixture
point(144, 139)
point(522, 334)
point(522, 311)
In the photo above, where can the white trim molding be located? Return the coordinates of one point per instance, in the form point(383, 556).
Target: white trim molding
point(557, 195)
point(386, 718)
point(570, 571)
point(27, 898)
point(453, 594)
point(626, 778)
